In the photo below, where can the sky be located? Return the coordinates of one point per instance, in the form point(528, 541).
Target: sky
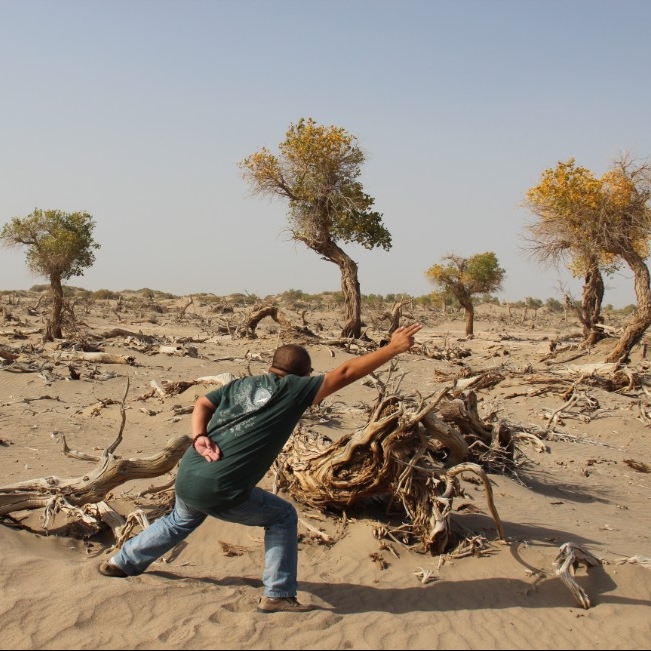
point(139, 111)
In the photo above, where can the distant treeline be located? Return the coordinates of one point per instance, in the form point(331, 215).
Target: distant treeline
point(300, 299)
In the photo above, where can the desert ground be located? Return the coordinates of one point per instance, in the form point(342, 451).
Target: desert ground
point(579, 478)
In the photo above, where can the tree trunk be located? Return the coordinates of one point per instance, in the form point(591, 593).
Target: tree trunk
point(642, 318)
point(467, 305)
point(352, 298)
point(326, 248)
point(57, 305)
point(593, 296)
point(396, 313)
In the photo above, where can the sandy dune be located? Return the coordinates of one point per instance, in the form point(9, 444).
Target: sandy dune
point(582, 489)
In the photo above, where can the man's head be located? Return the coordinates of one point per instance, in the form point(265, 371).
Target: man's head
point(292, 360)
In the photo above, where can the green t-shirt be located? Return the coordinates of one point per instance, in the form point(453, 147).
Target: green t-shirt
point(253, 419)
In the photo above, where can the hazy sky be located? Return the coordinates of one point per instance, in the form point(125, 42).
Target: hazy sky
point(138, 112)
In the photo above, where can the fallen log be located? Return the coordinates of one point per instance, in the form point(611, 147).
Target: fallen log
point(121, 332)
point(20, 334)
point(7, 354)
point(93, 487)
point(74, 495)
point(99, 358)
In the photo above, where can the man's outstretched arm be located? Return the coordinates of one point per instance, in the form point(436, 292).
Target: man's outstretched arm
point(357, 367)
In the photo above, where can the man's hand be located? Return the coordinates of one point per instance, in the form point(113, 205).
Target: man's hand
point(403, 337)
point(207, 449)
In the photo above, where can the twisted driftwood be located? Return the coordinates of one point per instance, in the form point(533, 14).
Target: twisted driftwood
point(396, 455)
point(248, 327)
point(111, 471)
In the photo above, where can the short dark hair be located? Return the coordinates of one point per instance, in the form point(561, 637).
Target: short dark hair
point(292, 359)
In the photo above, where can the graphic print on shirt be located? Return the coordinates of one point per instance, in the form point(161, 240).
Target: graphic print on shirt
point(247, 397)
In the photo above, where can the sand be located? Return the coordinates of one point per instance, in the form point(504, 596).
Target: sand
point(582, 489)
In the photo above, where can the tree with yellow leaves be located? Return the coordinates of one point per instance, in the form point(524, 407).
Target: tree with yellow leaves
point(563, 201)
point(465, 277)
point(317, 171)
point(596, 224)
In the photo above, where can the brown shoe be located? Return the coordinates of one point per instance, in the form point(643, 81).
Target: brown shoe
point(108, 569)
point(283, 604)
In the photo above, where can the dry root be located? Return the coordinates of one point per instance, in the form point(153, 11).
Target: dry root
point(405, 455)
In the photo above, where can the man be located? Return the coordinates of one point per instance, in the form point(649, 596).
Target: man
point(238, 430)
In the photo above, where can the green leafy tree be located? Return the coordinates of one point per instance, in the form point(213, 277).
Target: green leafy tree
point(596, 224)
point(465, 277)
point(317, 171)
point(444, 299)
point(533, 303)
point(59, 246)
point(554, 305)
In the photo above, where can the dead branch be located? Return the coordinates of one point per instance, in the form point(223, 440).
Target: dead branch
point(568, 559)
point(248, 327)
point(478, 470)
point(324, 537)
point(54, 494)
point(185, 307)
point(640, 466)
point(98, 358)
point(5, 353)
point(93, 487)
point(462, 412)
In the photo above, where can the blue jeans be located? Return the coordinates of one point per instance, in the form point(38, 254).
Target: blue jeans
point(262, 509)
